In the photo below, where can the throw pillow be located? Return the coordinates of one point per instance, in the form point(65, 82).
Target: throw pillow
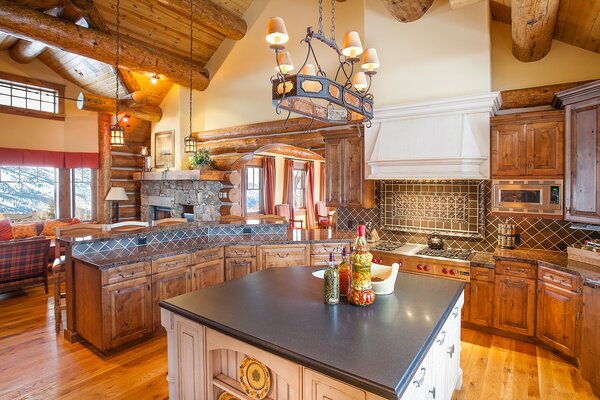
point(50, 226)
point(75, 221)
point(5, 229)
point(22, 231)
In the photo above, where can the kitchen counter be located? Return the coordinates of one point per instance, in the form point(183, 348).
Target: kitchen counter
point(113, 258)
point(281, 310)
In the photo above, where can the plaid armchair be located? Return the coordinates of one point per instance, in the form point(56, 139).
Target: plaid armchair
point(24, 262)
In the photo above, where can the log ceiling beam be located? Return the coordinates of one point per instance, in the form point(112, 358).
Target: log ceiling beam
point(25, 51)
point(129, 105)
point(212, 15)
point(533, 24)
point(456, 4)
point(27, 23)
point(7, 41)
point(535, 96)
point(407, 10)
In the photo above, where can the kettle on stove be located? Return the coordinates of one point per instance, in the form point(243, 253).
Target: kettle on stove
point(435, 241)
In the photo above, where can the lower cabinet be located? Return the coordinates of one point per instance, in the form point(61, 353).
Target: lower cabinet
point(481, 303)
point(166, 285)
point(273, 256)
point(237, 267)
point(320, 387)
point(514, 304)
point(557, 318)
point(590, 356)
point(126, 312)
point(207, 274)
point(466, 310)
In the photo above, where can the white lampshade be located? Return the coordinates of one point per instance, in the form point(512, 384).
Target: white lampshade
point(308, 69)
point(359, 81)
point(116, 194)
point(370, 61)
point(352, 45)
point(276, 31)
point(285, 62)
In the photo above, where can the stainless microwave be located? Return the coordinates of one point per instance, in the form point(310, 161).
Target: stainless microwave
point(539, 197)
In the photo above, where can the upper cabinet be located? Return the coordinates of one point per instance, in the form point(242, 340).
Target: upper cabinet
point(528, 145)
point(345, 184)
point(582, 164)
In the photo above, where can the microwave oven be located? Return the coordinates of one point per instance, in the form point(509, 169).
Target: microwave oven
point(538, 197)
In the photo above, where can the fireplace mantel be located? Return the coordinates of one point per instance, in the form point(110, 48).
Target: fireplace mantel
point(180, 175)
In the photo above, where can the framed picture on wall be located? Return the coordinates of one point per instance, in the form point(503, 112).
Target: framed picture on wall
point(164, 149)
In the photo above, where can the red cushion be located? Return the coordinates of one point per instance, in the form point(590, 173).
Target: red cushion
point(5, 230)
point(75, 221)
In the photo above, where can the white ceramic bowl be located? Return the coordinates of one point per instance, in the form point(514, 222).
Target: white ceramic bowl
point(386, 273)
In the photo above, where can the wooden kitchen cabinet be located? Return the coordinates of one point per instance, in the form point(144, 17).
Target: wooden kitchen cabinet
point(590, 354)
point(481, 303)
point(582, 164)
point(514, 304)
point(528, 145)
point(126, 312)
point(557, 317)
point(320, 387)
point(345, 184)
point(273, 256)
point(207, 274)
point(237, 267)
point(466, 311)
point(166, 285)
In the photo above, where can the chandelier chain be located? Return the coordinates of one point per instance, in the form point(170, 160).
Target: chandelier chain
point(333, 20)
point(321, 16)
point(117, 61)
point(191, 58)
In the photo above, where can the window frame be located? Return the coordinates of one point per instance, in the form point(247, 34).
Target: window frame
point(56, 191)
point(73, 192)
point(257, 164)
point(59, 116)
point(299, 166)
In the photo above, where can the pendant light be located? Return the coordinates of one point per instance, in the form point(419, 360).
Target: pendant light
point(190, 142)
point(117, 132)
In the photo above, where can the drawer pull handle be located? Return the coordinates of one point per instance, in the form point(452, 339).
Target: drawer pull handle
point(432, 391)
point(420, 381)
point(451, 351)
point(443, 339)
point(455, 313)
point(509, 282)
point(519, 271)
point(481, 274)
point(283, 255)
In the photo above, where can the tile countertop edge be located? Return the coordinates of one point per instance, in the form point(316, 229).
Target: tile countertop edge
point(368, 385)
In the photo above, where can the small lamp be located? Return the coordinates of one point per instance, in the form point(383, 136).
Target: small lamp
point(359, 81)
point(190, 143)
point(308, 69)
point(284, 61)
point(352, 45)
point(117, 135)
point(370, 61)
point(276, 32)
point(116, 194)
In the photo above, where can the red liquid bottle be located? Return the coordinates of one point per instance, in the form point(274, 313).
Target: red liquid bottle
point(345, 274)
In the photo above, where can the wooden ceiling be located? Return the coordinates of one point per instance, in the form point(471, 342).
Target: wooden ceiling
point(577, 22)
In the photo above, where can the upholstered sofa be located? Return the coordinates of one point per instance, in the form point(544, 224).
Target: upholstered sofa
point(24, 262)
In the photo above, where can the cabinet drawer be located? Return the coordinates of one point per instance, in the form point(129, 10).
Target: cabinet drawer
point(168, 263)
point(321, 387)
point(240, 251)
point(519, 269)
point(558, 278)
point(482, 274)
point(279, 256)
point(203, 256)
point(125, 272)
point(326, 248)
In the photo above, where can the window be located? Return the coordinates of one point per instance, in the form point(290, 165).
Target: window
point(24, 96)
point(28, 192)
point(81, 192)
point(299, 187)
point(254, 190)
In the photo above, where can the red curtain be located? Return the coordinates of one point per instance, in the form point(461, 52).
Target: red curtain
point(309, 197)
point(43, 158)
point(322, 182)
point(269, 179)
point(288, 185)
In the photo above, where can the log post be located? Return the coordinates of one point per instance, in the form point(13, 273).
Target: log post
point(104, 175)
point(231, 209)
point(230, 195)
point(532, 28)
point(233, 178)
point(407, 10)
point(146, 112)
point(26, 22)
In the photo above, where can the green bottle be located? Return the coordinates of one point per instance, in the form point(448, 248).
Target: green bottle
point(332, 282)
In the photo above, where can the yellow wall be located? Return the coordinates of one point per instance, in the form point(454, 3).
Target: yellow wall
point(79, 131)
point(564, 63)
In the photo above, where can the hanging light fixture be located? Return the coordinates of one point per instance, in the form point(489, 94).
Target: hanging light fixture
point(190, 142)
point(310, 92)
point(117, 132)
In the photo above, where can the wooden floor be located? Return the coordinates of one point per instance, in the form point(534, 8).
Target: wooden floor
point(35, 363)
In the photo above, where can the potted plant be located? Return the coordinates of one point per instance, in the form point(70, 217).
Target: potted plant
point(200, 159)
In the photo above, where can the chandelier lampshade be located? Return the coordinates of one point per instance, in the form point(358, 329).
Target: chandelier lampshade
point(276, 31)
point(284, 61)
point(359, 81)
point(308, 69)
point(352, 45)
point(370, 61)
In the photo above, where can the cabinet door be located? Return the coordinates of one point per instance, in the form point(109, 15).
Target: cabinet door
point(583, 166)
point(590, 354)
point(282, 256)
point(481, 303)
point(166, 285)
point(545, 149)
point(353, 171)
point(207, 274)
point(321, 387)
point(508, 150)
point(126, 312)
point(334, 154)
point(514, 305)
point(466, 310)
point(237, 267)
point(557, 318)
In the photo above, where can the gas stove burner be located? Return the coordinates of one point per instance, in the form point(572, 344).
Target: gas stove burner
point(388, 246)
point(453, 254)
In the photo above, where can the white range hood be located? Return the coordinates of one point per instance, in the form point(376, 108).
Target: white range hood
point(444, 139)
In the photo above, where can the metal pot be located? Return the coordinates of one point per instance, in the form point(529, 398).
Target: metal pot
point(435, 241)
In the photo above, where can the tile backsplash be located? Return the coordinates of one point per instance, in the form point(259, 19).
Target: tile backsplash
point(535, 233)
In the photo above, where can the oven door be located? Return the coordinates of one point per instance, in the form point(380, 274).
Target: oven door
point(527, 197)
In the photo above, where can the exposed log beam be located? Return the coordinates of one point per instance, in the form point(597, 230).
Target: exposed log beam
point(7, 41)
point(101, 104)
point(247, 145)
point(407, 10)
point(532, 28)
point(535, 96)
point(135, 99)
point(39, 4)
point(456, 4)
point(25, 51)
point(129, 80)
point(25, 22)
point(277, 148)
point(213, 15)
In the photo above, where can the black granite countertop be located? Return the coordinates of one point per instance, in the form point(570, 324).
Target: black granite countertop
point(114, 258)
point(280, 310)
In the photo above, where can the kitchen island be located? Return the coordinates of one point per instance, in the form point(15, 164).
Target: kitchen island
point(404, 346)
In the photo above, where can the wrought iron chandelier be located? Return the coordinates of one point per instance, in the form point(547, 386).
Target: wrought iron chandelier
point(117, 132)
point(343, 99)
point(190, 142)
